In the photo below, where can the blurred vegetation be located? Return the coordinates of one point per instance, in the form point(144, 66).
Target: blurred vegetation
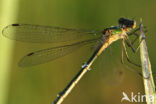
point(108, 78)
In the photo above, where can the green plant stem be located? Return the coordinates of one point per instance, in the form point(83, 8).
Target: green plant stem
point(146, 69)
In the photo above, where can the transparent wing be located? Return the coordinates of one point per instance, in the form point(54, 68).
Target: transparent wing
point(46, 34)
point(45, 55)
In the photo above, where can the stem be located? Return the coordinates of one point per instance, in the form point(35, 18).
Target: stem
point(146, 69)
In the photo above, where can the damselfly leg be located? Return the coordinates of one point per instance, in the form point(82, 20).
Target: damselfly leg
point(131, 43)
point(126, 54)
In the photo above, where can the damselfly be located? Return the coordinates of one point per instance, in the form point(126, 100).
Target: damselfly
point(49, 34)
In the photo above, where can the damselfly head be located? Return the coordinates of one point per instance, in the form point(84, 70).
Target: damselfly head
point(127, 23)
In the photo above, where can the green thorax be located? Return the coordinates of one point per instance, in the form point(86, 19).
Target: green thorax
point(115, 30)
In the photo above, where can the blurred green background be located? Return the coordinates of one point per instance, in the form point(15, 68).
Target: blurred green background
point(108, 78)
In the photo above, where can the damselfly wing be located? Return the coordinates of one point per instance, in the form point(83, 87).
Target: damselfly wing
point(49, 34)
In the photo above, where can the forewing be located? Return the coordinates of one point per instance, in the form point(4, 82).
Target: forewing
point(46, 34)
